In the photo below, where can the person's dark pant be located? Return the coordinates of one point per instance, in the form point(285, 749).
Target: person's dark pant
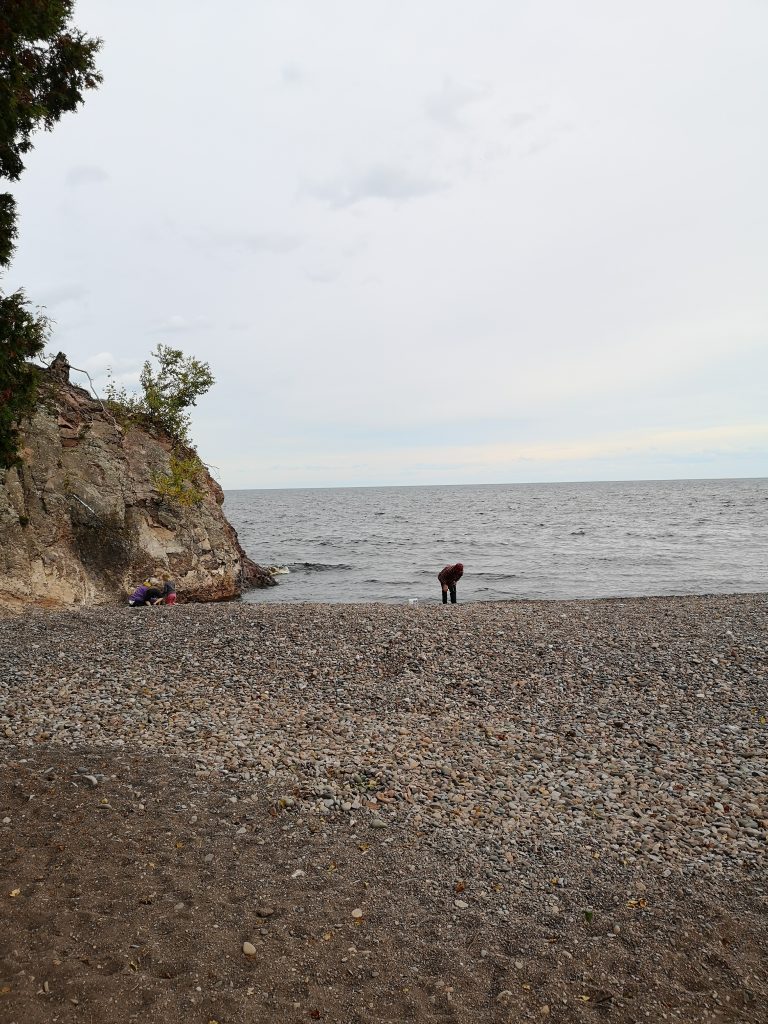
point(453, 595)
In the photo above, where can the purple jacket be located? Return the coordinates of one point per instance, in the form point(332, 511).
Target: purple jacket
point(143, 595)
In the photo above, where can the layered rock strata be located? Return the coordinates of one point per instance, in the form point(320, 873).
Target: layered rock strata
point(82, 520)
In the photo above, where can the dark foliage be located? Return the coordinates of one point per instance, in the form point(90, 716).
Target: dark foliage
point(22, 336)
point(7, 227)
point(45, 66)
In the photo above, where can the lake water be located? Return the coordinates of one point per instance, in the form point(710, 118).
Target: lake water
point(516, 540)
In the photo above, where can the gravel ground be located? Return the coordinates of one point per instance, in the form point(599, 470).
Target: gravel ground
point(548, 762)
point(636, 727)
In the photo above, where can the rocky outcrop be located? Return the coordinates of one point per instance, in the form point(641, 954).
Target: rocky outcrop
point(82, 520)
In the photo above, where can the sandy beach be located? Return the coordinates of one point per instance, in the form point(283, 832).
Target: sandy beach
point(488, 812)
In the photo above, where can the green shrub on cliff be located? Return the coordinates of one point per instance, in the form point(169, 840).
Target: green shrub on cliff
point(181, 484)
point(167, 392)
point(45, 67)
point(173, 388)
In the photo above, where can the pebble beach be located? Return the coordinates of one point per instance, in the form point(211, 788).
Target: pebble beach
point(635, 726)
point(520, 752)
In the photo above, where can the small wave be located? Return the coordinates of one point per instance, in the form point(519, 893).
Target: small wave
point(391, 583)
point(316, 567)
point(278, 570)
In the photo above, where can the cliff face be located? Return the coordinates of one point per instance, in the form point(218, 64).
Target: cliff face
point(82, 522)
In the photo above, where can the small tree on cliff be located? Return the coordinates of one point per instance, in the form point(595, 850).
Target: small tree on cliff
point(45, 67)
point(173, 388)
point(168, 391)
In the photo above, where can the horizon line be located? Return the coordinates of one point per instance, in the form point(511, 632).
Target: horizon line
point(510, 483)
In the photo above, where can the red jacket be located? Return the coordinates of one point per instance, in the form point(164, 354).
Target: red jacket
point(451, 574)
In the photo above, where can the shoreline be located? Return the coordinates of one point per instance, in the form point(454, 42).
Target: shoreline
point(435, 601)
point(242, 601)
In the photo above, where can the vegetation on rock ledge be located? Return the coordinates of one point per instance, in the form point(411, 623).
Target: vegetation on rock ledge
point(167, 393)
point(181, 483)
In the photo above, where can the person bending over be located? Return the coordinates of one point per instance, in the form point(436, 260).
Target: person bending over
point(449, 577)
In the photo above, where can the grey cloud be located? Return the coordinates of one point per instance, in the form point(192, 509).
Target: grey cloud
point(291, 74)
point(357, 246)
point(376, 182)
point(181, 325)
point(520, 119)
point(58, 295)
point(537, 146)
point(322, 275)
point(86, 174)
point(445, 107)
point(276, 242)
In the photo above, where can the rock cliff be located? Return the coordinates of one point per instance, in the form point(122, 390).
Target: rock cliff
point(82, 520)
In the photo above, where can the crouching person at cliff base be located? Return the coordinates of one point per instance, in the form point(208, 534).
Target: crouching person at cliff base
point(169, 589)
point(449, 577)
point(147, 592)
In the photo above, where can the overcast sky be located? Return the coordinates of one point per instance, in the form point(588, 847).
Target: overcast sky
point(422, 241)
